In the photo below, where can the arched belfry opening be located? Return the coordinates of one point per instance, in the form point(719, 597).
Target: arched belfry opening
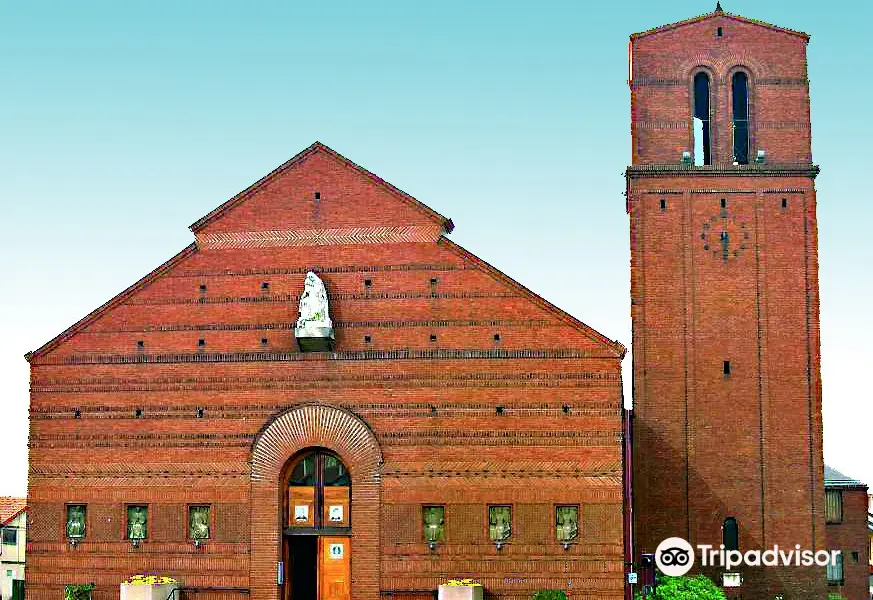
point(315, 468)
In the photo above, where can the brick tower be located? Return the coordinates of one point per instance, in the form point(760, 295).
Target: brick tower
point(724, 292)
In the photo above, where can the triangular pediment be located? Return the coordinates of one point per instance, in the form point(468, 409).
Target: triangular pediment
point(716, 15)
point(319, 196)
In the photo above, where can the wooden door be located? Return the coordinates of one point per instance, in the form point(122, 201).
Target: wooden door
point(334, 568)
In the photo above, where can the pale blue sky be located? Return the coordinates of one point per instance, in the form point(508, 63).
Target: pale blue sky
point(122, 123)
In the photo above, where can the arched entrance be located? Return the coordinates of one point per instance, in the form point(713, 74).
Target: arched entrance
point(306, 445)
point(317, 523)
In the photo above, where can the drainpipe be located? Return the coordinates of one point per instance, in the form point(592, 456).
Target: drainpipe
point(627, 498)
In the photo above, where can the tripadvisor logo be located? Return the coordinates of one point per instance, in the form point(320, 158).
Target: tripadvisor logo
point(675, 557)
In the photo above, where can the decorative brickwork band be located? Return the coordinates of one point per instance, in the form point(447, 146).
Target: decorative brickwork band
point(319, 237)
point(301, 427)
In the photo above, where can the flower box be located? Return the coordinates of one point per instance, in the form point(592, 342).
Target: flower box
point(464, 590)
point(149, 587)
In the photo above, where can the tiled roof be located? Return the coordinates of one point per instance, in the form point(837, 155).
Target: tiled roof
point(10, 508)
point(834, 478)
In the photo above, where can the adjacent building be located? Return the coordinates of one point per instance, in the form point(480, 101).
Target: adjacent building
point(847, 530)
point(13, 539)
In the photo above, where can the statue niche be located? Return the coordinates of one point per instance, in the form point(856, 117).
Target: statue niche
point(314, 330)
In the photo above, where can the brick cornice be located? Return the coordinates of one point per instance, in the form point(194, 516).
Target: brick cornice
point(765, 170)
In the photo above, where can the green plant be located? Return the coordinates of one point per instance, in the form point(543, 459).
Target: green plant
point(78, 591)
point(549, 595)
point(833, 596)
point(686, 588)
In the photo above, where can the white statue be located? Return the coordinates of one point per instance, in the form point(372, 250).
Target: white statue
point(313, 304)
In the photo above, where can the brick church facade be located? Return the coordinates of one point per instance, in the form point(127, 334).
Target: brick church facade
point(455, 424)
point(461, 426)
point(724, 296)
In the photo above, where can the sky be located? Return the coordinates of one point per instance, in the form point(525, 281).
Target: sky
point(123, 123)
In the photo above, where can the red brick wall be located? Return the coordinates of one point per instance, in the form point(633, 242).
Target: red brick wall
point(431, 405)
point(851, 536)
point(747, 445)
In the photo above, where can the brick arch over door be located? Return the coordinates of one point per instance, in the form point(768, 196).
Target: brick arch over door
point(353, 441)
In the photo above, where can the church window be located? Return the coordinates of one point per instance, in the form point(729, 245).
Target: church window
point(368, 283)
point(433, 337)
point(726, 368)
point(730, 534)
point(496, 337)
point(499, 523)
point(434, 523)
point(566, 522)
point(137, 522)
point(201, 342)
point(202, 287)
point(784, 202)
point(140, 344)
point(318, 195)
point(319, 492)
point(265, 285)
point(718, 32)
point(198, 522)
point(663, 204)
point(833, 506)
point(368, 339)
point(75, 525)
point(702, 142)
point(740, 95)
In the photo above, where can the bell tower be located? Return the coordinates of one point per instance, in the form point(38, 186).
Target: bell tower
point(724, 290)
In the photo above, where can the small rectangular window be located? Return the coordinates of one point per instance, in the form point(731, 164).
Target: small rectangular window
point(10, 536)
point(835, 570)
point(718, 32)
point(75, 521)
point(833, 506)
point(202, 287)
point(265, 285)
point(318, 195)
point(784, 202)
point(434, 523)
point(367, 339)
point(663, 204)
point(263, 341)
point(140, 344)
point(198, 522)
point(726, 368)
point(566, 522)
point(201, 342)
point(137, 522)
point(499, 523)
point(723, 203)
